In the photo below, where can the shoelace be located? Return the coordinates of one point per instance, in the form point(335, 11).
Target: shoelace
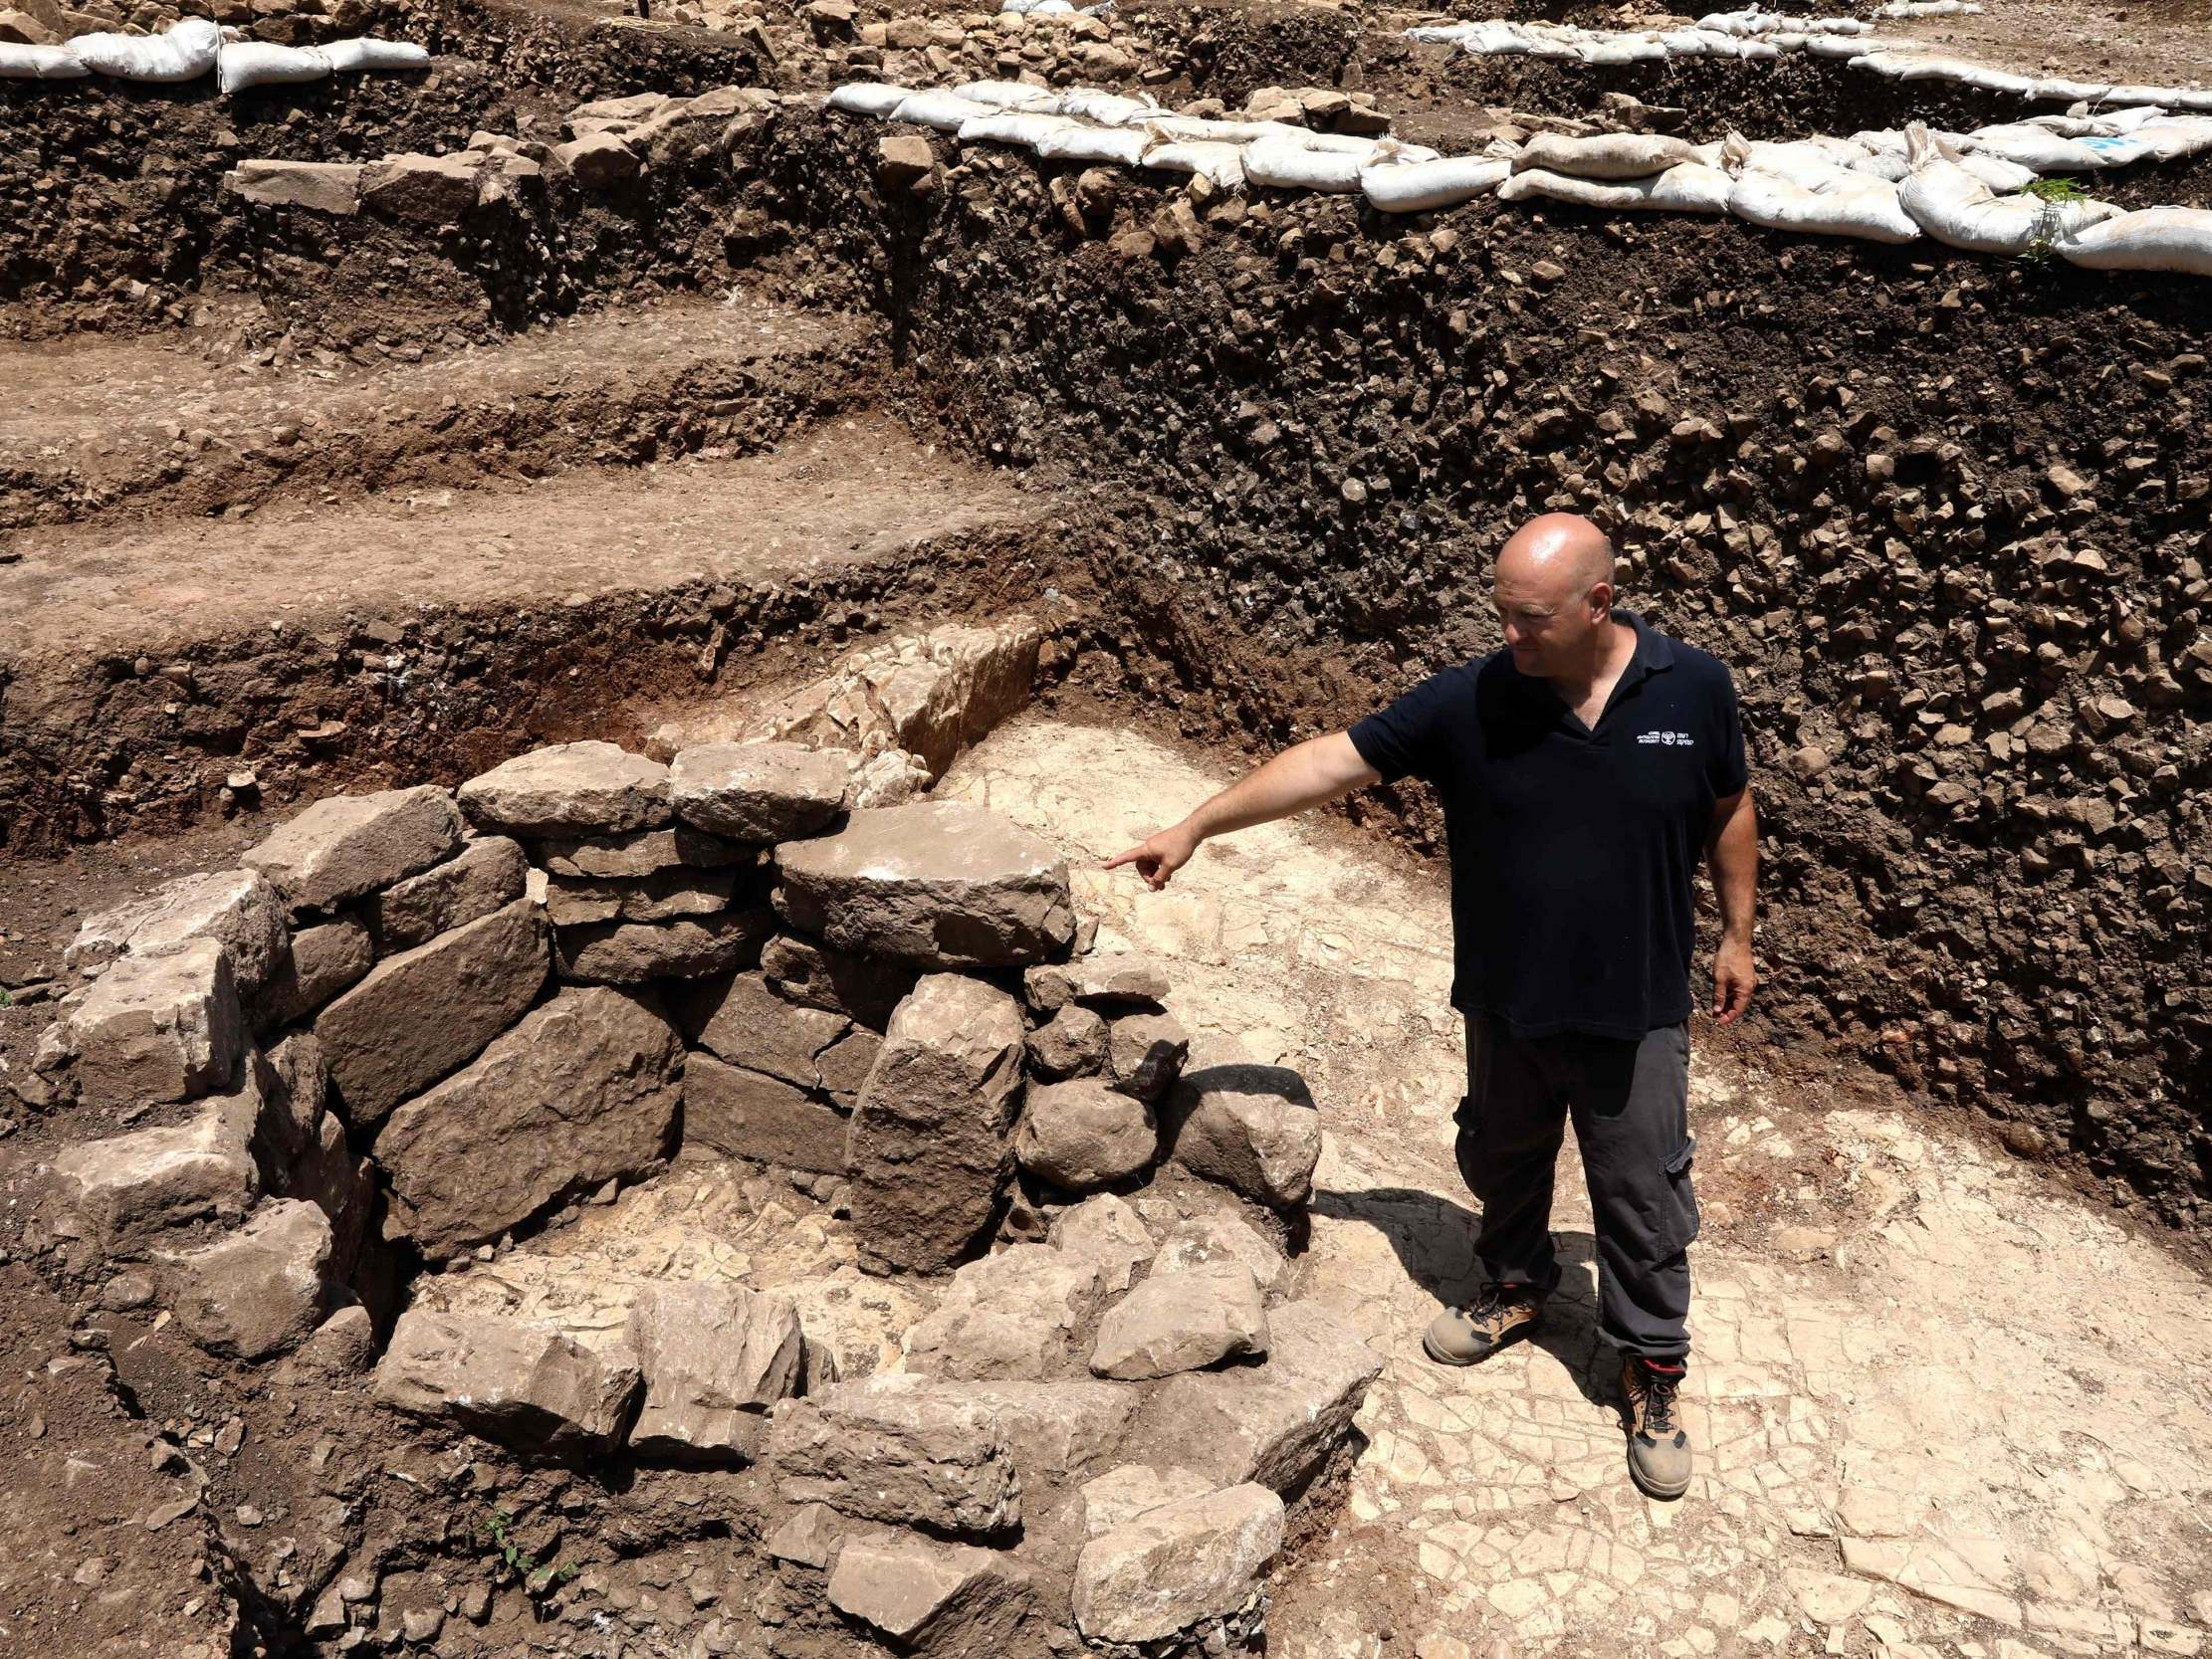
point(1659, 1402)
point(1494, 1299)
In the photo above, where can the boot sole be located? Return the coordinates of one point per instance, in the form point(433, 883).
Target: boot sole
point(1519, 1334)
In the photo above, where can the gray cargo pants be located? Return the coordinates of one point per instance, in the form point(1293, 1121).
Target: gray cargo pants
point(1629, 1102)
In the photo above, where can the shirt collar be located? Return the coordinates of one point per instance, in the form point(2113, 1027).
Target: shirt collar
point(1654, 650)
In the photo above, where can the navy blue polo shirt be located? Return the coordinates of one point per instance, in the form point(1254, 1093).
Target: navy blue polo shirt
point(1572, 847)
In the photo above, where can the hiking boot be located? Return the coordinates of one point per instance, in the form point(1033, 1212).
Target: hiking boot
point(1659, 1445)
point(1473, 1331)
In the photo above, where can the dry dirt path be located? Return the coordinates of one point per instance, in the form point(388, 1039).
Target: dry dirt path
point(1942, 1406)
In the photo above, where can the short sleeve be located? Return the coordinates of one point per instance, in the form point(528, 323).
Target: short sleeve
point(1728, 771)
point(1405, 738)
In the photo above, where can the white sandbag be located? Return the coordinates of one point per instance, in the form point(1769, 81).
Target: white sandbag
point(1995, 80)
point(1106, 108)
point(1831, 25)
point(359, 54)
point(2119, 149)
point(1960, 211)
point(1835, 46)
point(1011, 126)
point(946, 112)
point(1886, 164)
point(2200, 102)
point(1206, 131)
point(1934, 69)
point(1758, 49)
point(1286, 164)
point(1420, 186)
point(184, 53)
point(2151, 239)
point(1700, 43)
point(1123, 145)
point(869, 98)
point(1010, 94)
point(1604, 155)
point(1222, 164)
point(2069, 91)
point(1621, 49)
point(2033, 148)
point(2003, 177)
point(2143, 95)
point(1869, 211)
point(258, 64)
point(2177, 137)
point(39, 63)
point(1686, 187)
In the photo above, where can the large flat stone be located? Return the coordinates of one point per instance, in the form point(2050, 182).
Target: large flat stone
point(881, 1453)
point(428, 1011)
point(946, 884)
point(320, 963)
point(485, 875)
point(716, 1357)
point(931, 1150)
point(1057, 1431)
point(1083, 1135)
point(1182, 1322)
point(929, 1597)
point(866, 989)
point(347, 846)
point(1253, 1128)
point(525, 1385)
point(1023, 1313)
point(569, 789)
point(1109, 1232)
point(758, 792)
point(748, 1024)
point(321, 186)
point(128, 1192)
point(748, 1114)
point(236, 907)
point(1176, 1565)
point(685, 947)
point(1122, 1494)
point(258, 1292)
point(161, 1024)
point(583, 1089)
point(576, 900)
point(641, 853)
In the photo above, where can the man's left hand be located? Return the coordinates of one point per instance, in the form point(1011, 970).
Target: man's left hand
point(1735, 979)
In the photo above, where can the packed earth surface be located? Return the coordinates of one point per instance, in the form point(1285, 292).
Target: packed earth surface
point(579, 621)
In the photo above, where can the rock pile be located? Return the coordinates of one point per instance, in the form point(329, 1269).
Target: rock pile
point(462, 1010)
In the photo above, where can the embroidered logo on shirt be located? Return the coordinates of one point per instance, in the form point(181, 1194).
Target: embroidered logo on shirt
point(1673, 739)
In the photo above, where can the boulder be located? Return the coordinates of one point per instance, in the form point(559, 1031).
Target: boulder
point(161, 1024)
point(747, 1114)
point(742, 1021)
point(525, 1385)
point(321, 186)
point(1107, 979)
point(319, 964)
point(864, 989)
point(573, 901)
point(128, 1192)
point(347, 846)
point(945, 884)
point(1253, 1128)
point(758, 792)
point(485, 875)
point(260, 1291)
point(846, 1063)
point(320, 1167)
point(714, 1357)
point(930, 1149)
point(1216, 1238)
point(342, 1348)
point(597, 160)
point(569, 789)
point(423, 189)
point(236, 907)
point(930, 1596)
point(878, 1452)
point(1119, 1496)
point(1107, 1231)
point(582, 1091)
point(1056, 1431)
point(1145, 1053)
point(1073, 1043)
point(1182, 1322)
point(1176, 1565)
point(902, 159)
point(685, 947)
point(1275, 1423)
point(1023, 1313)
point(1084, 1134)
point(426, 1012)
point(641, 853)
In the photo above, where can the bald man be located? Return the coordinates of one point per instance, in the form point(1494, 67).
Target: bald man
point(1583, 770)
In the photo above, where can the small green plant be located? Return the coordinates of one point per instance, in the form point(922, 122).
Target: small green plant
point(7, 997)
point(2052, 193)
point(2056, 190)
point(534, 1579)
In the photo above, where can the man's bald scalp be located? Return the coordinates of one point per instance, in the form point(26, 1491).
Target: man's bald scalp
point(1560, 546)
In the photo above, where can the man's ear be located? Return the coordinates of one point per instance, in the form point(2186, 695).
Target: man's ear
point(1599, 600)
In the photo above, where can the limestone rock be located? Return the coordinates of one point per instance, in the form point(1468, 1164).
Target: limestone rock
point(846, 1063)
point(597, 160)
point(129, 1191)
point(582, 1091)
point(1073, 1043)
point(684, 948)
point(1220, 1236)
point(1084, 1134)
point(641, 853)
point(930, 1149)
point(1122, 1494)
point(425, 1012)
point(1108, 1232)
point(236, 907)
point(525, 1385)
point(483, 875)
point(320, 965)
point(321, 186)
point(569, 789)
point(865, 988)
point(742, 1021)
point(1275, 1423)
point(1017, 1313)
point(747, 1114)
point(1108, 979)
point(1255, 1128)
point(1145, 1053)
point(318, 1165)
point(571, 900)
point(880, 1453)
point(161, 1024)
point(758, 791)
point(343, 1346)
point(714, 1357)
point(1182, 1322)
point(350, 845)
point(944, 1598)
point(1056, 1431)
point(1176, 1565)
point(260, 1291)
point(945, 884)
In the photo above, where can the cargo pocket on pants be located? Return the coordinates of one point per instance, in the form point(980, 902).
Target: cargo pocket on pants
point(1680, 1209)
point(1465, 1144)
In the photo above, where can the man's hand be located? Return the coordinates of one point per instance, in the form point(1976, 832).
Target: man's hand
point(1735, 979)
point(1159, 856)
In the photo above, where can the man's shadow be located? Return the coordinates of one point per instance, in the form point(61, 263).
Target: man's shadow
point(1434, 1241)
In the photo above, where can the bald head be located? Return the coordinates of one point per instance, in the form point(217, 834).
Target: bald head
point(1560, 552)
point(1553, 587)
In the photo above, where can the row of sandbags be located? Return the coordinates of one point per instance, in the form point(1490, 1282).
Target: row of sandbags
point(195, 47)
point(1883, 186)
point(1751, 33)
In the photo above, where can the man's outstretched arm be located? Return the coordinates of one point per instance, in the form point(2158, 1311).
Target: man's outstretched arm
point(1303, 776)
